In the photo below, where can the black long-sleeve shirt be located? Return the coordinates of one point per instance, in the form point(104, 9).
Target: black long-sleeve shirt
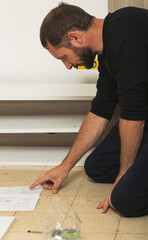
point(123, 65)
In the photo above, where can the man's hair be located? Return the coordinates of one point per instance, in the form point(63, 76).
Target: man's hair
point(60, 20)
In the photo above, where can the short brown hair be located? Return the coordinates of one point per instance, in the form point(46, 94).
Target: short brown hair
point(62, 19)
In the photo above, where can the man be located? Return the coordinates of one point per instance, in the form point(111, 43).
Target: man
point(121, 43)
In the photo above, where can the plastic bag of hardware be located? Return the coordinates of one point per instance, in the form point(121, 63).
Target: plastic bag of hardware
point(62, 223)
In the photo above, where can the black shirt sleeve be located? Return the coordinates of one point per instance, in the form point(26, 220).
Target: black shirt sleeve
point(106, 97)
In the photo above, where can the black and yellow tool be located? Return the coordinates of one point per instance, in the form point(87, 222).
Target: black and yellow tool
point(96, 64)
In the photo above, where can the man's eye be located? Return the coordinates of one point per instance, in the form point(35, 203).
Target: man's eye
point(63, 58)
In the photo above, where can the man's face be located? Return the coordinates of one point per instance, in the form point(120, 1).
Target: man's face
point(86, 55)
point(73, 57)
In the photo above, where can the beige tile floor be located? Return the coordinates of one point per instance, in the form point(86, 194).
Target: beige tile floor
point(79, 192)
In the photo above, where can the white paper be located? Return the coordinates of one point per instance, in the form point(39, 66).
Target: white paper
point(19, 198)
point(5, 224)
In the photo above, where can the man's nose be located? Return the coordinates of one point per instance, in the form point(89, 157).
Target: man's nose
point(67, 65)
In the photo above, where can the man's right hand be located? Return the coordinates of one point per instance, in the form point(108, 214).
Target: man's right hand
point(52, 179)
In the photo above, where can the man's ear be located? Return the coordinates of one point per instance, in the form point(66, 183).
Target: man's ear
point(75, 38)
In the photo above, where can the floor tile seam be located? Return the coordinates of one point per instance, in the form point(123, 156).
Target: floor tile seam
point(77, 191)
point(41, 212)
point(97, 233)
point(96, 214)
point(133, 233)
point(26, 213)
point(45, 167)
point(85, 175)
point(145, 234)
point(41, 173)
point(117, 228)
point(83, 233)
point(71, 206)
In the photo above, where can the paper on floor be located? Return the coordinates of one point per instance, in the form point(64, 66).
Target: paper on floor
point(19, 198)
point(5, 224)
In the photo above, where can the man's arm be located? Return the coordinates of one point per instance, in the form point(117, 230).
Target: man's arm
point(91, 129)
point(131, 133)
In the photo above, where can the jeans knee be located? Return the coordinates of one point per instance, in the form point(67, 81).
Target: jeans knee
point(88, 167)
point(124, 204)
point(96, 170)
point(92, 171)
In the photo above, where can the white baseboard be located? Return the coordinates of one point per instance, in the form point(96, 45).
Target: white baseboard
point(43, 156)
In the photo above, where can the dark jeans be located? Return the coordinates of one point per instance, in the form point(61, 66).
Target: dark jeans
point(130, 195)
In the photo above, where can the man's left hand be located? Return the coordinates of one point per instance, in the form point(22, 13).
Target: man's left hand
point(106, 204)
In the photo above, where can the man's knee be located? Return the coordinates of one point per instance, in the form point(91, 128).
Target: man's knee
point(94, 172)
point(125, 204)
point(98, 171)
point(88, 167)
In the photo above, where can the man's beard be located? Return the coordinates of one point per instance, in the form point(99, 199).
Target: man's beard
point(86, 56)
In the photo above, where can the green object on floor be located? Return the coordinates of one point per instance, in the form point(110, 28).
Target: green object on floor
point(70, 234)
point(67, 234)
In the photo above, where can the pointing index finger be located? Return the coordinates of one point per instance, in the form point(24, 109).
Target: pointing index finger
point(36, 183)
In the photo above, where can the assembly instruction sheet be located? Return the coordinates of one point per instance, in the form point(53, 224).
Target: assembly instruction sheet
point(19, 198)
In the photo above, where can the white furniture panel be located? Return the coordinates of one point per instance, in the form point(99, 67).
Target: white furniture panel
point(41, 124)
point(45, 156)
point(47, 91)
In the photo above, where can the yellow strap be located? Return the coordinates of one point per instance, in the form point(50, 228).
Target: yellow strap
point(94, 67)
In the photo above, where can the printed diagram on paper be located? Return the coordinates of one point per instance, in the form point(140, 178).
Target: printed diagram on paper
point(19, 198)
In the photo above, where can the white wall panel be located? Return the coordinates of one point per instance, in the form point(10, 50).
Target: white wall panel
point(22, 58)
